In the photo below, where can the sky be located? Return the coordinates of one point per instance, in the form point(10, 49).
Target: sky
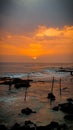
point(36, 31)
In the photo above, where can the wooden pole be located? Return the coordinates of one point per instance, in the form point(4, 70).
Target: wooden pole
point(60, 86)
point(51, 95)
point(52, 85)
point(10, 84)
point(25, 94)
point(28, 76)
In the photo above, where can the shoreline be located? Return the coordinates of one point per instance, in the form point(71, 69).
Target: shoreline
point(37, 93)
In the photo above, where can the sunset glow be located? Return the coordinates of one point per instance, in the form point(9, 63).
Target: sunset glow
point(36, 64)
point(34, 58)
point(42, 40)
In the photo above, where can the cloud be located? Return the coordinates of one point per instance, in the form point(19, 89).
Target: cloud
point(6, 6)
point(18, 16)
point(43, 31)
point(49, 32)
point(43, 41)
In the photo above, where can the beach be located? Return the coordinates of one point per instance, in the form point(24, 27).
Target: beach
point(13, 101)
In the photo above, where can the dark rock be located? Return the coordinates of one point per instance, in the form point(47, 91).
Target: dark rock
point(51, 96)
point(30, 124)
point(42, 128)
point(54, 125)
point(51, 126)
point(56, 108)
point(16, 127)
point(3, 127)
point(20, 85)
point(17, 80)
point(68, 117)
point(63, 127)
point(27, 111)
point(66, 107)
point(70, 100)
point(4, 78)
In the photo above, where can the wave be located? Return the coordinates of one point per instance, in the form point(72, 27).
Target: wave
point(42, 74)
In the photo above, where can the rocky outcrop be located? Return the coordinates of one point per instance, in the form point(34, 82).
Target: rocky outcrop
point(51, 96)
point(27, 111)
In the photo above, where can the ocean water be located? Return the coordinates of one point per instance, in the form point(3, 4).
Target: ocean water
point(33, 70)
point(11, 102)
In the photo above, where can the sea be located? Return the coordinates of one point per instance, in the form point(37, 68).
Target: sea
point(42, 74)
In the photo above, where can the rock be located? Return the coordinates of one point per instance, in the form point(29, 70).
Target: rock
point(27, 111)
point(63, 127)
point(68, 117)
point(47, 127)
point(3, 127)
point(51, 126)
point(30, 124)
point(17, 80)
point(54, 125)
point(70, 100)
point(20, 85)
point(66, 108)
point(56, 108)
point(51, 96)
point(42, 128)
point(16, 126)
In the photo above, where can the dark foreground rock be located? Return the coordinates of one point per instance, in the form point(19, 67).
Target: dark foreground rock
point(28, 125)
point(67, 108)
point(16, 126)
point(3, 127)
point(70, 100)
point(56, 108)
point(27, 111)
point(68, 117)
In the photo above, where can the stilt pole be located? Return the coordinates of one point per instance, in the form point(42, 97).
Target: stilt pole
point(60, 86)
point(25, 94)
point(52, 85)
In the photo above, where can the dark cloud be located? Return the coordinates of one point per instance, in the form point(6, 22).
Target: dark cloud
point(25, 15)
point(6, 6)
point(67, 8)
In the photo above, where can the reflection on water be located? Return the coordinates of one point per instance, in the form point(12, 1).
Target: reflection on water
point(11, 102)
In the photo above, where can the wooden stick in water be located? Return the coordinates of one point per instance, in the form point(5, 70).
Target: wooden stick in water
point(60, 86)
point(52, 85)
point(51, 95)
point(28, 76)
point(25, 94)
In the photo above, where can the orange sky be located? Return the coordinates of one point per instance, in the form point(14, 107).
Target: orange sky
point(44, 41)
point(36, 30)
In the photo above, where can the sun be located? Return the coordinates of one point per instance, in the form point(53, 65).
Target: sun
point(34, 57)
